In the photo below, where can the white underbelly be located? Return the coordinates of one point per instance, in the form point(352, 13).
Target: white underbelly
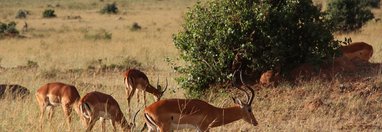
point(104, 115)
point(54, 100)
point(175, 126)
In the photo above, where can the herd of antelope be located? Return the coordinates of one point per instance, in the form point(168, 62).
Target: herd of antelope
point(163, 115)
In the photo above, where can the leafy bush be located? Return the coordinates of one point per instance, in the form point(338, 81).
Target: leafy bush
point(110, 9)
point(348, 15)
point(31, 64)
point(49, 73)
point(48, 13)
point(22, 14)
point(265, 35)
point(126, 63)
point(8, 29)
point(135, 27)
point(374, 3)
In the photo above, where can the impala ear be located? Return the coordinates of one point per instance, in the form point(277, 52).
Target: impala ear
point(237, 101)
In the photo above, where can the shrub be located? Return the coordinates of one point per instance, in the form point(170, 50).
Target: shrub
point(135, 27)
point(265, 35)
point(49, 73)
point(22, 14)
point(8, 29)
point(48, 13)
point(31, 64)
point(110, 9)
point(348, 15)
point(373, 3)
point(126, 63)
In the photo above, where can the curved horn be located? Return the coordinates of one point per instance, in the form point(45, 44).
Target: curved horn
point(135, 116)
point(249, 88)
point(239, 86)
point(158, 82)
point(165, 87)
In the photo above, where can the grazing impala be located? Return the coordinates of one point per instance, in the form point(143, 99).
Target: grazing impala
point(54, 94)
point(96, 105)
point(357, 50)
point(135, 79)
point(171, 114)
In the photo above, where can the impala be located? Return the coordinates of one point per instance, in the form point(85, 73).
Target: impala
point(172, 114)
point(269, 78)
point(54, 94)
point(357, 50)
point(96, 105)
point(135, 79)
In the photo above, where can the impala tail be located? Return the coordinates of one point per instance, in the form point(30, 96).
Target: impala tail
point(150, 121)
point(85, 110)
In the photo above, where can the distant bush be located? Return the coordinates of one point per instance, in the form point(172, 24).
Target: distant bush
point(8, 29)
point(348, 15)
point(32, 64)
point(22, 14)
point(110, 9)
point(126, 63)
point(48, 13)
point(49, 74)
point(98, 35)
point(135, 27)
point(374, 3)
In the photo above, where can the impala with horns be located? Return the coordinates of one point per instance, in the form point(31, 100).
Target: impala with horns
point(96, 105)
point(357, 50)
point(54, 94)
point(173, 114)
point(135, 79)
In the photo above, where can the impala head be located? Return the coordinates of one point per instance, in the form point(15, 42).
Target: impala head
point(159, 87)
point(246, 106)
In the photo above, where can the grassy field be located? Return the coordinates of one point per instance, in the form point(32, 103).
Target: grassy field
point(76, 51)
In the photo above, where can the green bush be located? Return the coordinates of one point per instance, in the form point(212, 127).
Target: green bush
point(48, 13)
point(8, 29)
point(110, 9)
point(126, 63)
point(267, 35)
point(374, 3)
point(22, 14)
point(135, 27)
point(348, 15)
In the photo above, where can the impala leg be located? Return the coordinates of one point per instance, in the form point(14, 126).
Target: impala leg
point(114, 128)
point(138, 93)
point(130, 95)
point(91, 124)
point(103, 124)
point(42, 111)
point(42, 107)
point(67, 111)
point(144, 97)
point(50, 112)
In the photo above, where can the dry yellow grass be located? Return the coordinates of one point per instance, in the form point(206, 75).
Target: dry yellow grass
point(59, 44)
